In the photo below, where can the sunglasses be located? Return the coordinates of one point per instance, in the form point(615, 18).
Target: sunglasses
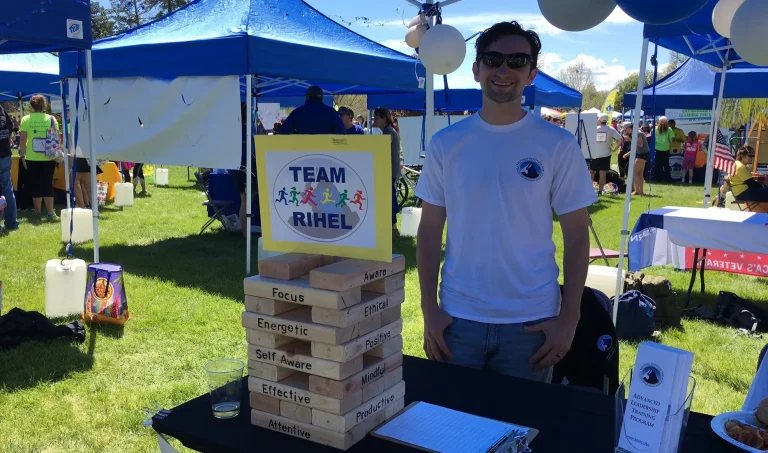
point(513, 60)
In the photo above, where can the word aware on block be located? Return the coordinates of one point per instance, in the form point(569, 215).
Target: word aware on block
point(290, 265)
point(298, 356)
point(298, 324)
point(345, 422)
point(350, 350)
point(373, 370)
point(270, 307)
point(295, 389)
point(386, 285)
point(298, 291)
point(371, 304)
point(353, 273)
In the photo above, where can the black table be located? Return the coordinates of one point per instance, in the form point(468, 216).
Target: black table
point(564, 416)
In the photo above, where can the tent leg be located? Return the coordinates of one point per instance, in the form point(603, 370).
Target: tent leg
point(248, 188)
point(370, 122)
point(429, 105)
point(92, 154)
point(630, 177)
point(713, 142)
point(67, 143)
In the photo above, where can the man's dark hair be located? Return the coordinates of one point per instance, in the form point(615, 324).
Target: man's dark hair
point(504, 29)
point(315, 92)
point(672, 123)
point(344, 110)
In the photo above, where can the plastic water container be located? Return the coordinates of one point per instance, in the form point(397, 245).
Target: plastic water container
point(123, 194)
point(729, 199)
point(263, 254)
point(64, 287)
point(161, 177)
point(409, 226)
point(603, 278)
point(83, 227)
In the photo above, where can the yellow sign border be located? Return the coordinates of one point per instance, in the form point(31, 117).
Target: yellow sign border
point(380, 148)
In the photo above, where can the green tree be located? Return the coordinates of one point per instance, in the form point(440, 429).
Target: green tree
point(101, 24)
point(128, 14)
point(591, 97)
point(162, 8)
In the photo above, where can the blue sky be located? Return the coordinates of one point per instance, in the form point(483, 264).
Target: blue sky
point(612, 49)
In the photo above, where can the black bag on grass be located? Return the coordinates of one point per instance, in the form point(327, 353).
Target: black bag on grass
point(738, 312)
point(635, 316)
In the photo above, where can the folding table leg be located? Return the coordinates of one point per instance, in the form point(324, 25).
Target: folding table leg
point(693, 276)
point(701, 269)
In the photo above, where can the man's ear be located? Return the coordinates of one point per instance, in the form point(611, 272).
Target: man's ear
point(476, 71)
point(532, 75)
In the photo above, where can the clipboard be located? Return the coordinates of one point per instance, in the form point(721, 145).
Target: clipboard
point(493, 445)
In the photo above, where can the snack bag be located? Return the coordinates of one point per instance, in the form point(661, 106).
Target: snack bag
point(102, 189)
point(53, 143)
point(105, 297)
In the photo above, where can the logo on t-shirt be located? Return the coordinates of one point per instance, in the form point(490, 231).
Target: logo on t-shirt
point(604, 343)
point(530, 169)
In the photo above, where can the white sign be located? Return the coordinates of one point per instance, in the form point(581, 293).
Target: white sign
point(688, 115)
point(269, 114)
point(587, 134)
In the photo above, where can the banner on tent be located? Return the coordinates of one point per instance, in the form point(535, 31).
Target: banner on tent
point(190, 121)
point(690, 115)
point(326, 194)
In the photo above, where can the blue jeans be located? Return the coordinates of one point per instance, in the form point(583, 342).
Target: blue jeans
point(503, 348)
point(5, 182)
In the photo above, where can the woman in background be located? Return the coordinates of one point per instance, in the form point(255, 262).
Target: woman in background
point(382, 119)
point(663, 144)
point(34, 129)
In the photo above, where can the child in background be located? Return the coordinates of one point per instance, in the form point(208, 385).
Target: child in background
point(691, 147)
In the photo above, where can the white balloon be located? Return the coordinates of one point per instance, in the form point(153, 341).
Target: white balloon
point(576, 15)
point(442, 49)
point(414, 34)
point(749, 32)
point(722, 16)
point(420, 19)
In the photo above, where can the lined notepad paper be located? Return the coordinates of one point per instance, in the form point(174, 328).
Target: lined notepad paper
point(445, 430)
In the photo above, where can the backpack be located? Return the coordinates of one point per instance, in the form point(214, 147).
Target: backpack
point(731, 310)
point(635, 316)
point(660, 290)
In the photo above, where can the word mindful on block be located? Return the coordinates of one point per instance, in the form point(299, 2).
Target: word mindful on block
point(373, 369)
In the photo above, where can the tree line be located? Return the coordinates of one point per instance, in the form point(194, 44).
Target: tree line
point(122, 15)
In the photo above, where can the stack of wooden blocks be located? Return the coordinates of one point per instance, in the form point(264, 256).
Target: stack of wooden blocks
point(325, 346)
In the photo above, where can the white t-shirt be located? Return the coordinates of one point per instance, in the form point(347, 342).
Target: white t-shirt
point(499, 185)
point(605, 137)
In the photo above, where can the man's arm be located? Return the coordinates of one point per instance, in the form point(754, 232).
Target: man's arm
point(575, 227)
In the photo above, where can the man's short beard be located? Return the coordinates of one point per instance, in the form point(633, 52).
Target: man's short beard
point(500, 98)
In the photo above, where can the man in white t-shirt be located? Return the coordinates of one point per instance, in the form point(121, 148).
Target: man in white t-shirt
point(601, 154)
point(496, 177)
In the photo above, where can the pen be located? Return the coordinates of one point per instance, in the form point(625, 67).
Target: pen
point(513, 435)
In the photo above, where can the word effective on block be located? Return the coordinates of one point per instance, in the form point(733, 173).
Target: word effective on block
point(295, 389)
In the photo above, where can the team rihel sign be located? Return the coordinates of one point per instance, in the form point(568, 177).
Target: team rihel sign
point(326, 194)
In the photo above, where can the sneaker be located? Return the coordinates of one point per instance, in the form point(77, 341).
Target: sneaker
point(52, 217)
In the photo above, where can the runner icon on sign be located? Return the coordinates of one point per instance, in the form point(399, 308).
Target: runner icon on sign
point(358, 199)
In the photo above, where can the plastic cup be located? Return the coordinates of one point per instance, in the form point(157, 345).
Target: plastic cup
point(224, 381)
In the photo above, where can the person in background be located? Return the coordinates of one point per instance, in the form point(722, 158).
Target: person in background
point(623, 161)
point(382, 119)
point(6, 186)
point(276, 128)
point(743, 185)
point(679, 141)
point(138, 179)
point(314, 117)
point(663, 145)
point(239, 175)
point(691, 148)
point(346, 115)
point(642, 156)
point(34, 130)
point(601, 159)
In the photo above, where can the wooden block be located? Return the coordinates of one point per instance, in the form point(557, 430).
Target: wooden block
point(289, 265)
point(374, 368)
point(298, 324)
point(370, 305)
point(295, 389)
point(327, 259)
point(298, 291)
point(266, 339)
point(295, 412)
point(386, 285)
point(270, 307)
point(391, 315)
point(393, 409)
point(348, 351)
point(378, 386)
point(377, 404)
point(388, 348)
point(368, 325)
point(267, 371)
point(298, 357)
point(349, 274)
point(265, 403)
point(341, 441)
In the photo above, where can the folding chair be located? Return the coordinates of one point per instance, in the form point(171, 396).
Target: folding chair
point(599, 252)
point(217, 206)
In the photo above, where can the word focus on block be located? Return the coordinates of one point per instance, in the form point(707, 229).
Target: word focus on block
point(353, 273)
point(299, 291)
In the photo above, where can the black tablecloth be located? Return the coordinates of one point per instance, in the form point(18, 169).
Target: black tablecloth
point(566, 418)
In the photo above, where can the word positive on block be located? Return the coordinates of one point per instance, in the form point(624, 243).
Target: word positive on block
point(289, 265)
point(268, 371)
point(266, 339)
point(373, 369)
point(298, 291)
point(370, 305)
point(270, 307)
point(386, 285)
point(358, 346)
point(345, 422)
point(388, 348)
point(354, 273)
point(298, 357)
point(295, 389)
point(298, 324)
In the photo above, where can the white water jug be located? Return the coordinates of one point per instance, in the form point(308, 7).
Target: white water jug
point(161, 177)
point(409, 226)
point(263, 254)
point(64, 287)
point(603, 278)
point(83, 225)
point(123, 194)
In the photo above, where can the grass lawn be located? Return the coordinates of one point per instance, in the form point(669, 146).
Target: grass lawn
point(185, 297)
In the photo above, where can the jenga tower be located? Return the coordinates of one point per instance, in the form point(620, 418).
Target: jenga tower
point(324, 346)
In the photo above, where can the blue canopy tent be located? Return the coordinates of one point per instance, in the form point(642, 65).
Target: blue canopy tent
point(281, 46)
point(687, 87)
point(22, 75)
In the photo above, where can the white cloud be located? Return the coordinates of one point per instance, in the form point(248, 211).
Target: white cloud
point(398, 45)
point(615, 60)
point(548, 61)
point(606, 75)
point(618, 16)
point(472, 23)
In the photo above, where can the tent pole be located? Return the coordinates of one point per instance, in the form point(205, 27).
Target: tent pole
point(67, 143)
point(92, 154)
point(370, 122)
point(21, 107)
point(630, 177)
point(713, 141)
point(430, 94)
point(248, 188)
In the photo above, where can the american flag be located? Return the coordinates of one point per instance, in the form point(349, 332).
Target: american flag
point(724, 160)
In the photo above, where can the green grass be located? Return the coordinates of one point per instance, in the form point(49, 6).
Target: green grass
point(185, 297)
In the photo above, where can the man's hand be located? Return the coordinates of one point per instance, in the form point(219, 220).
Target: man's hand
point(559, 334)
point(435, 322)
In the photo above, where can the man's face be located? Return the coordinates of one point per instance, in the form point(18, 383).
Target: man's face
point(504, 84)
point(347, 120)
